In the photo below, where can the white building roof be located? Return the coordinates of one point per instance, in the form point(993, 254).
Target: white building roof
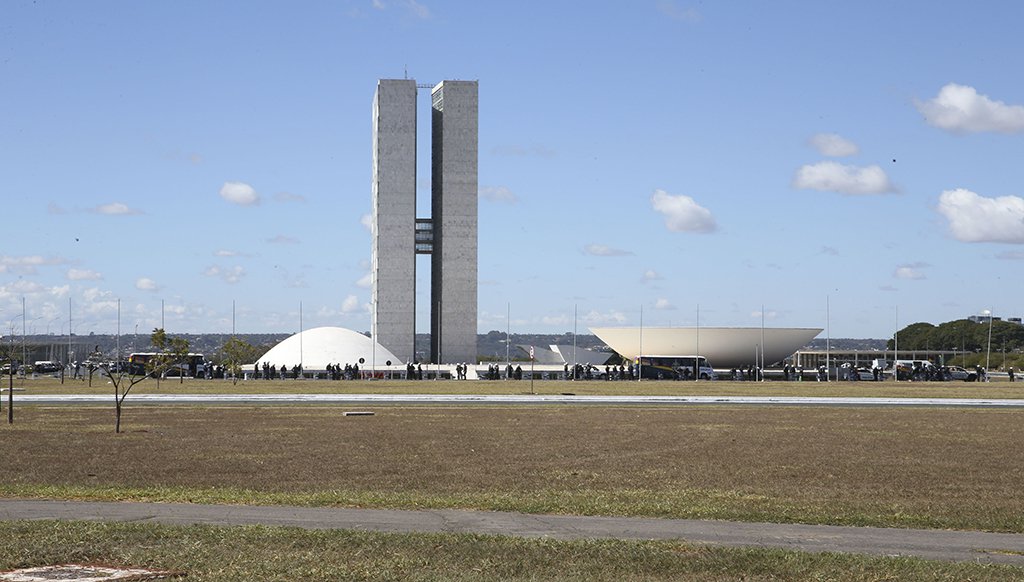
point(724, 347)
point(317, 347)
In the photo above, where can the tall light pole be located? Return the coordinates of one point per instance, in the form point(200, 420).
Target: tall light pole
point(988, 350)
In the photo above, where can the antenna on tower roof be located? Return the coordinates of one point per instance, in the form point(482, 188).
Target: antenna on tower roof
point(406, 72)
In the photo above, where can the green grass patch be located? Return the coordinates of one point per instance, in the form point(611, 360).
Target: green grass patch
point(207, 553)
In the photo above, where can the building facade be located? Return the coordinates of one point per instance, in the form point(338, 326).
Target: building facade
point(393, 321)
point(449, 235)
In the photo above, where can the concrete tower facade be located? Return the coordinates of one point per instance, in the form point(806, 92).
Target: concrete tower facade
point(449, 235)
point(453, 279)
point(393, 322)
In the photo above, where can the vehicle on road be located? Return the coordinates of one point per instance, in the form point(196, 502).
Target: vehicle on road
point(675, 368)
point(958, 373)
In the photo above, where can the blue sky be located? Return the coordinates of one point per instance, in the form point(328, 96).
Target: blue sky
point(177, 158)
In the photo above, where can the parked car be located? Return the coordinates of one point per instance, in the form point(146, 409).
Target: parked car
point(46, 367)
point(958, 373)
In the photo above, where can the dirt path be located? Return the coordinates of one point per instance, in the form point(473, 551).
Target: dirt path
point(930, 544)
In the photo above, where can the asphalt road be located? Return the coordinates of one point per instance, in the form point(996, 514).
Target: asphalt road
point(369, 399)
point(930, 544)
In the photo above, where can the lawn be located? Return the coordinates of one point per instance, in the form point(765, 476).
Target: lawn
point(205, 553)
point(930, 467)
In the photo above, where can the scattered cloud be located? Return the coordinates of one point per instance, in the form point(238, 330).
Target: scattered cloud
point(83, 275)
point(887, 288)
point(498, 194)
point(227, 253)
point(682, 213)
point(146, 284)
point(830, 251)
point(282, 239)
point(367, 221)
point(54, 208)
point(674, 11)
point(766, 314)
point(650, 275)
point(831, 176)
point(975, 218)
point(239, 193)
point(411, 6)
point(27, 265)
point(228, 275)
point(559, 320)
point(596, 318)
point(604, 251)
point(1011, 256)
point(833, 145)
point(911, 271)
point(351, 305)
point(960, 109)
point(663, 304)
point(115, 209)
point(366, 281)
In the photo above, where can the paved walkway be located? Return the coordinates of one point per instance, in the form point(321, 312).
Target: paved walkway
point(930, 544)
point(512, 399)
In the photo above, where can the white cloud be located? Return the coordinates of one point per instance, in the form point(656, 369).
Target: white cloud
point(604, 251)
point(228, 275)
point(418, 10)
point(596, 318)
point(663, 304)
point(26, 265)
point(83, 275)
point(553, 320)
point(911, 271)
point(239, 193)
point(366, 281)
point(116, 209)
point(350, 304)
point(682, 213)
point(650, 275)
point(766, 314)
point(675, 12)
point(975, 218)
point(228, 253)
point(146, 284)
point(498, 194)
point(960, 109)
point(412, 6)
point(833, 145)
point(831, 176)
point(283, 239)
point(367, 221)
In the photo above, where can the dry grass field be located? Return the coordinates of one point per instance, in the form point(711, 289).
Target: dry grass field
point(935, 467)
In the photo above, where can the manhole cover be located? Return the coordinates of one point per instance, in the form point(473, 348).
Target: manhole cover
point(80, 573)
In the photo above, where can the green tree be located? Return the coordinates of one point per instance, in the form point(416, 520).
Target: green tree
point(173, 352)
point(237, 352)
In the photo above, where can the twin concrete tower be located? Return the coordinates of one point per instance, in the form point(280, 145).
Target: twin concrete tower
point(449, 236)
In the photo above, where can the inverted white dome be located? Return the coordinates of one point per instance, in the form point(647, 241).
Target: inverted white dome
point(317, 347)
point(724, 347)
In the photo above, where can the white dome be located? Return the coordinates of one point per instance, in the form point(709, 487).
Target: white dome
point(317, 347)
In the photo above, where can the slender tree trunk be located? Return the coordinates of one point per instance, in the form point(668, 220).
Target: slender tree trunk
point(10, 397)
